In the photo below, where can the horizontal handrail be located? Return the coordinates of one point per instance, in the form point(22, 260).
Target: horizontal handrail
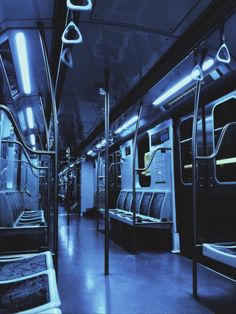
point(219, 143)
point(26, 162)
point(151, 158)
point(18, 133)
point(26, 154)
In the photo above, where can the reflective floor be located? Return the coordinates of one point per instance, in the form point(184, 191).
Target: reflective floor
point(149, 282)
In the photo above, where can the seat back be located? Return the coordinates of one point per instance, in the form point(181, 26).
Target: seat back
point(121, 199)
point(145, 203)
point(128, 201)
point(138, 196)
point(156, 205)
point(6, 211)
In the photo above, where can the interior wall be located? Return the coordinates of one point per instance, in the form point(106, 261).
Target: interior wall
point(87, 185)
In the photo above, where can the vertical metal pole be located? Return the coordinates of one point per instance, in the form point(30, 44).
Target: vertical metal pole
point(194, 189)
point(134, 179)
point(59, 64)
point(55, 125)
point(48, 202)
point(68, 186)
point(1, 123)
point(106, 246)
point(97, 195)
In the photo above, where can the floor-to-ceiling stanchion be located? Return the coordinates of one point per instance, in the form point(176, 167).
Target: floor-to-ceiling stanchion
point(55, 128)
point(107, 129)
point(134, 179)
point(194, 188)
point(67, 198)
point(97, 194)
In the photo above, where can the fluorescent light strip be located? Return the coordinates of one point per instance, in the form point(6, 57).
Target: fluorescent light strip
point(30, 117)
point(90, 152)
point(219, 162)
point(23, 62)
point(101, 144)
point(188, 166)
point(22, 120)
point(182, 83)
point(226, 161)
point(127, 124)
point(33, 139)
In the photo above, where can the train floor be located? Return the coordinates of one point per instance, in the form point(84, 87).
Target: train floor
point(148, 282)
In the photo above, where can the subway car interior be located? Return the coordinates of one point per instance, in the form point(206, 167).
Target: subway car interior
point(117, 156)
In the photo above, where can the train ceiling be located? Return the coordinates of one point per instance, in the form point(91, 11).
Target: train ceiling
point(127, 38)
point(138, 42)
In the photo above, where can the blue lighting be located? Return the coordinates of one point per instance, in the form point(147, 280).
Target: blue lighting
point(207, 64)
point(182, 83)
point(90, 152)
point(30, 117)
point(22, 120)
point(101, 144)
point(23, 62)
point(126, 124)
point(32, 139)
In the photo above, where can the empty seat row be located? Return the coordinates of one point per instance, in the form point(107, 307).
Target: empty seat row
point(14, 214)
point(28, 284)
point(151, 207)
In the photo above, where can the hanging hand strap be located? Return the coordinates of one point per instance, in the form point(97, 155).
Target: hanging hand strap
point(223, 54)
point(66, 57)
point(197, 74)
point(71, 27)
point(74, 7)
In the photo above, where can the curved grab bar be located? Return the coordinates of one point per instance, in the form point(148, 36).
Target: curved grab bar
point(74, 7)
point(26, 154)
point(71, 26)
point(113, 164)
point(223, 54)
point(27, 191)
point(66, 57)
point(151, 158)
point(26, 162)
point(219, 143)
point(18, 133)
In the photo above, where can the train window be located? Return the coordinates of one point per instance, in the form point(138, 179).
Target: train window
point(225, 162)
point(115, 171)
point(186, 129)
point(186, 150)
point(223, 113)
point(143, 158)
